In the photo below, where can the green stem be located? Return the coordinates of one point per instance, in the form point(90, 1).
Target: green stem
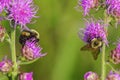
point(13, 53)
point(107, 19)
point(103, 73)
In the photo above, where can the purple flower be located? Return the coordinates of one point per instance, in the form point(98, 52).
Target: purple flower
point(2, 33)
point(91, 76)
point(4, 4)
point(5, 66)
point(26, 76)
point(93, 30)
point(115, 54)
point(113, 76)
point(31, 50)
point(21, 12)
point(87, 5)
point(113, 8)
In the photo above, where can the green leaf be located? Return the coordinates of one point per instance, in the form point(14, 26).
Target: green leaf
point(1, 44)
point(28, 62)
point(3, 77)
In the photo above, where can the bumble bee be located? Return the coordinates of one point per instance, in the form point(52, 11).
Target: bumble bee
point(94, 46)
point(27, 35)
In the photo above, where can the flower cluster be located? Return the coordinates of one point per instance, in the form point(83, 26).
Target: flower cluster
point(93, 30)
point(88, 4)
point(19, 12)
point(115, 54)
point(113, 8)
point(21, 15)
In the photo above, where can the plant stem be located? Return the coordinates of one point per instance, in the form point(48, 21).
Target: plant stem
point(13, 53)
point(103, 73)
point(103, 68)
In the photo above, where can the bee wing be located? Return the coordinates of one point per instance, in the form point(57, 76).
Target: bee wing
point(95, 53)
point(86, 47)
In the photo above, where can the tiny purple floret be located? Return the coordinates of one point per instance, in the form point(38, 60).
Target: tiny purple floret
point(26, 76)
point(4, 4)
point(113, 76)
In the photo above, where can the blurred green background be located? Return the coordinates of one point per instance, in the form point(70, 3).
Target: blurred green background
point(58, 26)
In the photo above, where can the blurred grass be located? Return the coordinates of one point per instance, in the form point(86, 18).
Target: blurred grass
point(58, 26)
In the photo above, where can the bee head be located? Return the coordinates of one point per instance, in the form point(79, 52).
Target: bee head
point(96, 43)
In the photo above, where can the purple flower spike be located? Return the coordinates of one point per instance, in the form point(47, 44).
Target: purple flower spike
point(26, 76)
point(113, 8)
point(5, 66)
point(93, 30)
point(113, 76)
point(4, 4)
point(115, 54)
point(87, 5)
point(21, 12)
point(31, 50)
point(91, 76)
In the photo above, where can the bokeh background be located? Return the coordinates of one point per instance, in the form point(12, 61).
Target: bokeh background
point(58, 26)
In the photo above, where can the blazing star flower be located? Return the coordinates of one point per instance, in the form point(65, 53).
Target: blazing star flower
point(21, 12)
point(115, 54)
point(93, 30)
point(5, 66)
point(91, 76)
point(87, 5)
point(2, 33)
point(26, 76)
point(113, 76)
point(31, 50)
point(114, 8)
point(4, 4)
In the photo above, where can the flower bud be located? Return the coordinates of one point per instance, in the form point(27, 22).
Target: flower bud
point(5, 66)
point(91, 76)
point(88, 4)
point(31, 50)
point(115, 54)
point(26, 76)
